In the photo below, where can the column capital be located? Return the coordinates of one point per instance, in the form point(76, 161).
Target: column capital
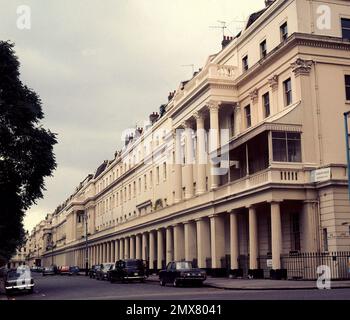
point(251, 206)
point(213, 215)
point(273, 81)
point(301, 67)
point(213, 106)
point(198, 115)
point(274, 201)
point(254, 95)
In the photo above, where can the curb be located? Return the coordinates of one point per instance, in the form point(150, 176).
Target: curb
point(212, 285)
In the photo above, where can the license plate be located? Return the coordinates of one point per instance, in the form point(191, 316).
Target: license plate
point(136, 274)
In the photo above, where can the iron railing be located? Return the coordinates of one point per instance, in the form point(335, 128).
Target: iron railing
point(305, 265)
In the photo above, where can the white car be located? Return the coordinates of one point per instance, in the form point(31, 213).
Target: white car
point(16, 279)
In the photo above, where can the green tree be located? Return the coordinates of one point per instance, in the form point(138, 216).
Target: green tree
point(26, 151)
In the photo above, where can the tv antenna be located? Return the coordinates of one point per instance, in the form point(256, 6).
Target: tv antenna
point(189, 65)
point(223, 26)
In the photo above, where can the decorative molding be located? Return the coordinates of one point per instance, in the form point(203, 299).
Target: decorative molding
point(213, 105)
point(273, 82)
point(301, 67)
point(254, 94)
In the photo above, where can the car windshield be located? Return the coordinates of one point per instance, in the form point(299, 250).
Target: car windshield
point(183, 265)
point(133, 263)
point(19, 273)
point(108, 265)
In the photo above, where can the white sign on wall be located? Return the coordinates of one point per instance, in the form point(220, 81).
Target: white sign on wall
point(269, 263)
point(321, 175)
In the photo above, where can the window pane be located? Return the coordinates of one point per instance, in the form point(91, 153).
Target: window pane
point(266, 99)
point(293, 136)
point(278, 135)
point(294, 151)
point(279, 150)
point(347, 80)
point(346, 34)
point(345, 23)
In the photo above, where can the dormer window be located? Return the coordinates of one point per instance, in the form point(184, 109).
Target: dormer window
point(245, 65)
point(345, 28)
point(284, 31)
point(263, 49)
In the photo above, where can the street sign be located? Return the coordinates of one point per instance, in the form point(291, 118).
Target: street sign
point(269, 263)
point(321, 175)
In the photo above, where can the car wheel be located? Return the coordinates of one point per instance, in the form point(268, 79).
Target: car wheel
point(31, 290)
point(175, 283)
point(162, 282)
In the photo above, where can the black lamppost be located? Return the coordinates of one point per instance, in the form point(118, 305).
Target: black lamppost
point(86, 245)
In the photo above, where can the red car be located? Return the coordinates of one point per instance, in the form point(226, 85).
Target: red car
point(63, 270)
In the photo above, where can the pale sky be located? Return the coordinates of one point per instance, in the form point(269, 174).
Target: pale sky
point(102, 66)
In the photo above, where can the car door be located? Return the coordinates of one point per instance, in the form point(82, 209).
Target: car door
point(172, 273)
point(166, 273)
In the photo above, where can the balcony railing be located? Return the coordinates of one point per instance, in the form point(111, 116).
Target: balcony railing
point(272, 175)
point(210, 72)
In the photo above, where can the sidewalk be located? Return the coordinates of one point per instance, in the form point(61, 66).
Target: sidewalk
point(265, 284)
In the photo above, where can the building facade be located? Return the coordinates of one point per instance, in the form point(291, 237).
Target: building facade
point(244, 165)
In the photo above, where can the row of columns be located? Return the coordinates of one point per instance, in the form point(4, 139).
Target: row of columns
point(201, 156)
point(198, 239)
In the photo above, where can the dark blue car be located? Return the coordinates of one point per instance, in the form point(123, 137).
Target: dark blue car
point(74, 271)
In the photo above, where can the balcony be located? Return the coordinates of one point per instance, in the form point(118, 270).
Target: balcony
point(212, 73)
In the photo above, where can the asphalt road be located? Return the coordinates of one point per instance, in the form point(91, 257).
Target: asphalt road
point(84, 288)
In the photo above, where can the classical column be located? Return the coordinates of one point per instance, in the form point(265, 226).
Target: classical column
point(309, 226)
point(126, 248)
point(169, 244)
point(101, 253)
point(108, 253)
point(113, 251)
point(202, 156)
point(178, 167)
point(152, 250)
point(214, 139)
point(253, 239)
point(203, 242)
point(179, 245)
point(217, 237)
point(189, 156)
point(144, 252)
point(121, 249)
point(138, 246)
point(103, 249)
point(190, 241)
point(234, 240)
point(117, 254)
point(160, 248)
point(276, 235)
point(132, 247)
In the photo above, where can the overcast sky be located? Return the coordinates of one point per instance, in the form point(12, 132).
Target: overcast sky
point(103, 66)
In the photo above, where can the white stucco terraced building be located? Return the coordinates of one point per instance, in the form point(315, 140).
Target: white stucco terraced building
point(279, 90)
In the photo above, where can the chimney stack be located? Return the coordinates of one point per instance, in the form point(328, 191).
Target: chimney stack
point(153, 117)
point(225, 41)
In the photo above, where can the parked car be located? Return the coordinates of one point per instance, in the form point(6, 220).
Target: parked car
point(64, 270)
point(49, 271)
point(73, 271)
point(180, 272)
point(129, 269)
point(92, 271)
point(102, 272)
point(16, 279)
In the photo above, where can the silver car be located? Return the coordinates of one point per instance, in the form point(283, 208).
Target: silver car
point(16, 279)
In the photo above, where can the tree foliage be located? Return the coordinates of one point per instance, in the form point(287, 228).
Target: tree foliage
point(26, 151)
